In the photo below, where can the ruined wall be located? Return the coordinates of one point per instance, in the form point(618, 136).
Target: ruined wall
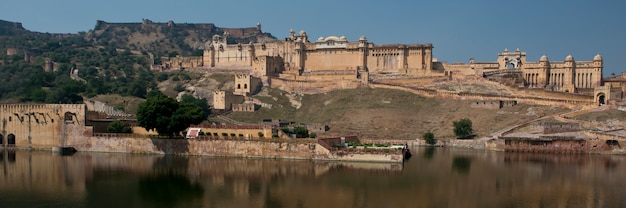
point(558, 127)
point(184, 62)
point(242, 31)
point(244, 107)
point(555, 146)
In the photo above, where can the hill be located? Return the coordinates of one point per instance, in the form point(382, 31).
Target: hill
point(168, 38)
point(113, 58)
point(388, 114)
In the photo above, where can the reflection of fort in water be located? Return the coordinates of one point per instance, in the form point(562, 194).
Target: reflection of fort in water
point(431, 176)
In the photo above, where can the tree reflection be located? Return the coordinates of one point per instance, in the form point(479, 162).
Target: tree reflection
point(461, 164)
point(429, 152)
point(168, 190)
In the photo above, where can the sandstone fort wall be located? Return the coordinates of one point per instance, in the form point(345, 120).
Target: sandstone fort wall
point(235, 148)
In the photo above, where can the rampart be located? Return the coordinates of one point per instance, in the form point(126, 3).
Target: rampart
point(314, 87)
point(574, 100)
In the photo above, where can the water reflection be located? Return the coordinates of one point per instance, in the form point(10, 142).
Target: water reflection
point(461, 164)
point(169, 189)
point(440, 178)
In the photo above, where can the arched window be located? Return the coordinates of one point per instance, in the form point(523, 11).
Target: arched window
point(1, 139)
point(11, 140)
point(68, 116)
point(245, 86)
point(238, 86)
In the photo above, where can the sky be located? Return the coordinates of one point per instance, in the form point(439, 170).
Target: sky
point(459, 30)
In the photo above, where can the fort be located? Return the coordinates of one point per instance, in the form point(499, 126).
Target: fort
point(302, 65)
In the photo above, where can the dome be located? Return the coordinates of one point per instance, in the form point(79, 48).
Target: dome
point(320, 39)
point(543, 58)
point(342, 38)
point(597, 57)
point(569, 58)
point(302, 32)
point(291, 30)
point(362, 38)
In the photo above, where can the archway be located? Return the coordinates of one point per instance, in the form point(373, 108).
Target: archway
point(1, 139)
point(11, 140)
point(601, 99)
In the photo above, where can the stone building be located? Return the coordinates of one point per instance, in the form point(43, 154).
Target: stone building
point(42, 125)
point(246, 84)
point(223, 100)
point(561, 76)
point(327, 64)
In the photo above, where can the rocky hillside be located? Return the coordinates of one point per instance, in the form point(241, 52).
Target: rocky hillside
point(112, 58)
point(170, 37)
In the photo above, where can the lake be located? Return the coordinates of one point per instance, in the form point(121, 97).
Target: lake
point(433, 177)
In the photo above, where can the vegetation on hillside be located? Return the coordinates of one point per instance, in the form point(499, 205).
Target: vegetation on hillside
point(167, 116)
point(110, 59)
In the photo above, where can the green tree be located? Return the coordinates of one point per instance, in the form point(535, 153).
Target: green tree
point(301, 132)
point(118, 127)
point(202, 103)
point(463, 128)
point(166, 116)
point(429, 137)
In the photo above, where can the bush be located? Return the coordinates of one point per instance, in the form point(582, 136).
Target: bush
point(286, 130)
point(240, 135)
point(463, 128)
point(232, 134)
point(224, 134)
point(312, 135)
point(214, 133)
point(118, 127)
point(301, 132)
point(162, 77)
point(274, 135)
point(179, 88)
point(201, 133)
point(429, 137)
point(260, 134)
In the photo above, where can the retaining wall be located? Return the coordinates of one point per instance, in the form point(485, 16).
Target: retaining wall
point(287, 149)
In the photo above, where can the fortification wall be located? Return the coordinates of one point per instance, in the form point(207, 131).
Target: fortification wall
point(332, 59)
point(316, 87)
point(42, 125)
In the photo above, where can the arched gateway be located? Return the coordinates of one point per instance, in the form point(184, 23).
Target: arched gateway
point(601, 99)
point(11, 140)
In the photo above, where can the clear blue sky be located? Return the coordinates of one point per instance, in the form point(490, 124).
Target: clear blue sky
point(459, 30)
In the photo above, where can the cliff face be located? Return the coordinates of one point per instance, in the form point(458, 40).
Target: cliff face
point(11, 28)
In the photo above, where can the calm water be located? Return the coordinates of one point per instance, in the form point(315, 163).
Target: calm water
point(431, 178)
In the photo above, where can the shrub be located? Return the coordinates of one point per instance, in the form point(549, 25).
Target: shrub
point(429, 137)
point(286, 130)
point(215, 134)
point(274, 135)
point(201, 133)
point(224, 134)
point(162, 77)
point(232, 134)
point(260, 134)
point(118, 127)
point(312, 135)
point(463, 128)
point(240, 135)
